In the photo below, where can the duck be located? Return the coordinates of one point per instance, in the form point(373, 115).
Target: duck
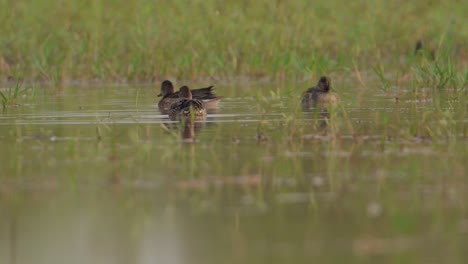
point(320, 95)
point(169, 96)
point(422, 50)
point(187, 107)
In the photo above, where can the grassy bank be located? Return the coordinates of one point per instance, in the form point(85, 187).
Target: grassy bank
point(138, 40)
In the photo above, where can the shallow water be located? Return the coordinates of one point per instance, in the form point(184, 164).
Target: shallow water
point(98, 175)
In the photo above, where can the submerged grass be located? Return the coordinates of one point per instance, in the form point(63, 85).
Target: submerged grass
point(11, 95)
point(120, 40)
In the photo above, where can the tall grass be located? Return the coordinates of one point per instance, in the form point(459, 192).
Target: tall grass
point(54, 40)
point(10, 96)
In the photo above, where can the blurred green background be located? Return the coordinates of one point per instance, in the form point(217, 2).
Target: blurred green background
point(139, 40)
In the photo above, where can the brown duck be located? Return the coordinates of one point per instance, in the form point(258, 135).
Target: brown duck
point(187, 107)
point(320, 95)
point(169, 96)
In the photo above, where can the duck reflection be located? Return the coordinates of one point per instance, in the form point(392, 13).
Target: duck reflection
point(321, 116)
point(186, 129)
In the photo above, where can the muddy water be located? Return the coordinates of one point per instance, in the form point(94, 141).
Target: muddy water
point(98, 175)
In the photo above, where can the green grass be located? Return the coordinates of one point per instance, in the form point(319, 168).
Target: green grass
point(11, 95)
point(120, 40)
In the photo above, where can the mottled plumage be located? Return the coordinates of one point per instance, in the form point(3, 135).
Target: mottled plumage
point(187, 107)
point(320, 95)
point(170, 97)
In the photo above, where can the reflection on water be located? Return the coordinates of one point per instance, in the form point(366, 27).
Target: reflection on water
point(135, 227)
point(187, 128)
point(98, 175)
point(322, 116)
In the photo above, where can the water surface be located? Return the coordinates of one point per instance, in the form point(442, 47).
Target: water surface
point(97, 175)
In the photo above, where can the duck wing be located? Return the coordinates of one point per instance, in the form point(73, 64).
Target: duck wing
point(204, 93)
point(200, 93)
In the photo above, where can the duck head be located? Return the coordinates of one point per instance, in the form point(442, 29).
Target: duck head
point(166, 88)
point(324, 83)
point(185, 93)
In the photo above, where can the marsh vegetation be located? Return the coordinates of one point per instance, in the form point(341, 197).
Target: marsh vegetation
point(93, 172)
